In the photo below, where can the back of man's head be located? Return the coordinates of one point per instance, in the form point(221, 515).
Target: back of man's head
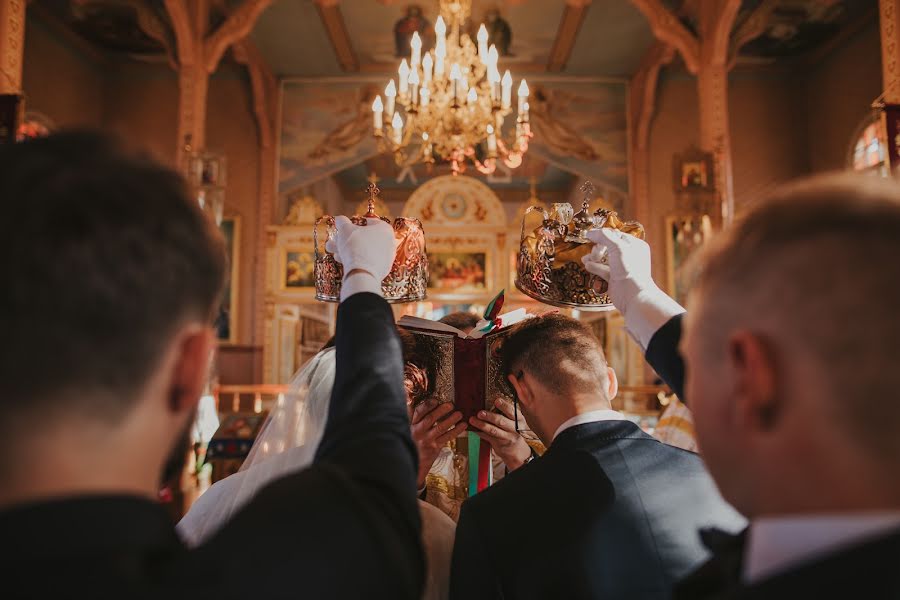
point(558, 351)
point(103, 256)
point(813, 276)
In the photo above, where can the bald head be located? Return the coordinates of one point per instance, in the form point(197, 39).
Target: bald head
point(814, 272)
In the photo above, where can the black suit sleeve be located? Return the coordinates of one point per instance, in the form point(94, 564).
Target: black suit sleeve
point(663, 356)
point(472, 574)
point(356, 503)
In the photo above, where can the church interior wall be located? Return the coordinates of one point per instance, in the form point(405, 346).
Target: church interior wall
point(59, 80)
point(840, 89)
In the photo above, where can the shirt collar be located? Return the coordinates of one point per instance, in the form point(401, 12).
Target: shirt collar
point(776, 544)
point(590, 417)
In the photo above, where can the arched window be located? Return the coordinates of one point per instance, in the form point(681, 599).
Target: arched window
point(868, 152)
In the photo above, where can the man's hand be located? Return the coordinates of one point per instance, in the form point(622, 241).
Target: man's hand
point(500, 431)
point(366, 252)
point(433, 425)
point(624, 262)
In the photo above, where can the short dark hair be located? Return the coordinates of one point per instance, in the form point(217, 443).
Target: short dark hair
point(559, 351)
point(825, 247)
point(103, 254)
point(459, 319)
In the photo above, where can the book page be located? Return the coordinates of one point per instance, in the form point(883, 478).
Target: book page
point(428, 324)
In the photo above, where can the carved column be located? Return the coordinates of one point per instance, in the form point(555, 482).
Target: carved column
point(199, 55)
point(708, 55)
point(889, 16)
point(642, 105)
point(715, 137)
point(264, 88)
point(12, 45)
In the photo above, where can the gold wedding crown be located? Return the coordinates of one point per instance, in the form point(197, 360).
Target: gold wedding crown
point(549, 267)
point(408, 279)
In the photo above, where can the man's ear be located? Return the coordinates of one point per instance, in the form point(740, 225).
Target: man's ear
point(756, 401)
point(613, 388)
point(190, 371)
point(522, 388)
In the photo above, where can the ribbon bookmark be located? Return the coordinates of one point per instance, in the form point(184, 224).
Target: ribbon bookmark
point(492, 312)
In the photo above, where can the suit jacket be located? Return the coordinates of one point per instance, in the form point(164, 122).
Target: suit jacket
point(608, 512)
point(347, 527)
point(866, 570)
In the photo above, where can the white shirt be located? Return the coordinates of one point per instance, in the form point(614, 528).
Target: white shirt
point(777, 544)
point(590, 417)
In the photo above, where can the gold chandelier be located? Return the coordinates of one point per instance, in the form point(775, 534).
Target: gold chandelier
point(452, 103)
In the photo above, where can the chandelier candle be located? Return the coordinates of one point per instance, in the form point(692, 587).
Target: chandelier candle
point(449, 97)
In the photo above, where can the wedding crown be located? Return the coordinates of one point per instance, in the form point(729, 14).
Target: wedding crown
point(408, 278)
point(549, 267)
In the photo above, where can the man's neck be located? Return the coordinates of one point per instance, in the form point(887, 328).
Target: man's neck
point(54, 470)
point(567, 410)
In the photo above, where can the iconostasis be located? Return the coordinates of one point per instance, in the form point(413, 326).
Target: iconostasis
point(472, 246)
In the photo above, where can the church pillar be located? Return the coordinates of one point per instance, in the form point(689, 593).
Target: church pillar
point(889, 18)
point(12, 45)
point(715, 136)
point(641, 107)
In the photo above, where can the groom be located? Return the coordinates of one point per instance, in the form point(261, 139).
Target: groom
point(111, 278)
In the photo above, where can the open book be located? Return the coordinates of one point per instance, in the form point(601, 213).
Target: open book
point(468, 365)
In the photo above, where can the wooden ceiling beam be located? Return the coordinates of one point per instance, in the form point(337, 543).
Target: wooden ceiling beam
point(669, 29)
point(569, 26)
point(333, 20)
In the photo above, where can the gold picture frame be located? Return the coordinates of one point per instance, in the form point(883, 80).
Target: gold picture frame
point(460, 272)
point(297, 269)
point(685, 235)
point(226, 323)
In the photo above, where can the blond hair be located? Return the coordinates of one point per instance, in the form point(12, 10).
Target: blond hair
point(816, 269)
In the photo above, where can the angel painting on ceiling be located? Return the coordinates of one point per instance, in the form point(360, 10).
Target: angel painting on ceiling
point(413, 21)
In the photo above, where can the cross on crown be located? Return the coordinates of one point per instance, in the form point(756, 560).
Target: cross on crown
point(373, 191)
point(587, 189)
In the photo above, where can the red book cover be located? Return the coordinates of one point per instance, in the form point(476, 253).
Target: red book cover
point(469, 365)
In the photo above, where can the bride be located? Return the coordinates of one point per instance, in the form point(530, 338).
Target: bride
point(287, 443)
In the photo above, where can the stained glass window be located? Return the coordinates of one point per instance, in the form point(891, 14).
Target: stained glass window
point(868, 150)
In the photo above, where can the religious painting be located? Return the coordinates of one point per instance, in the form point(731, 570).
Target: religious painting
point(458, 272)
point(226, 320)
point(582, 127)
point(693, 171)
point(299, 268)
point(411, 22)
point(684, 236)
point(797, 27)
point(324, 128)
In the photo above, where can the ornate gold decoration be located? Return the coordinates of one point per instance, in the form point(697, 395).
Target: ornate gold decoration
point(408, 279)
point(304, 211)
point(453, 100)
point(549, 267)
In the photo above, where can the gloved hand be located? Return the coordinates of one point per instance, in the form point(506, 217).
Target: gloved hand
point(366, 251)
point(624, 262)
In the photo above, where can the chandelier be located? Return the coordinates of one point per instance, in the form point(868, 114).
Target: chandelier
point(452, 102)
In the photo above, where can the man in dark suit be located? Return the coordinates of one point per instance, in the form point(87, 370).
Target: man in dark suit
point(791, 346)
point(112, 278)
point(607, 512)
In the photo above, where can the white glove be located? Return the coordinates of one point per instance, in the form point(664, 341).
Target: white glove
point(367, 254)
point(624, 262)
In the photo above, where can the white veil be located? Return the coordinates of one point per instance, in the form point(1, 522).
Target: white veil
point(286, 443)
